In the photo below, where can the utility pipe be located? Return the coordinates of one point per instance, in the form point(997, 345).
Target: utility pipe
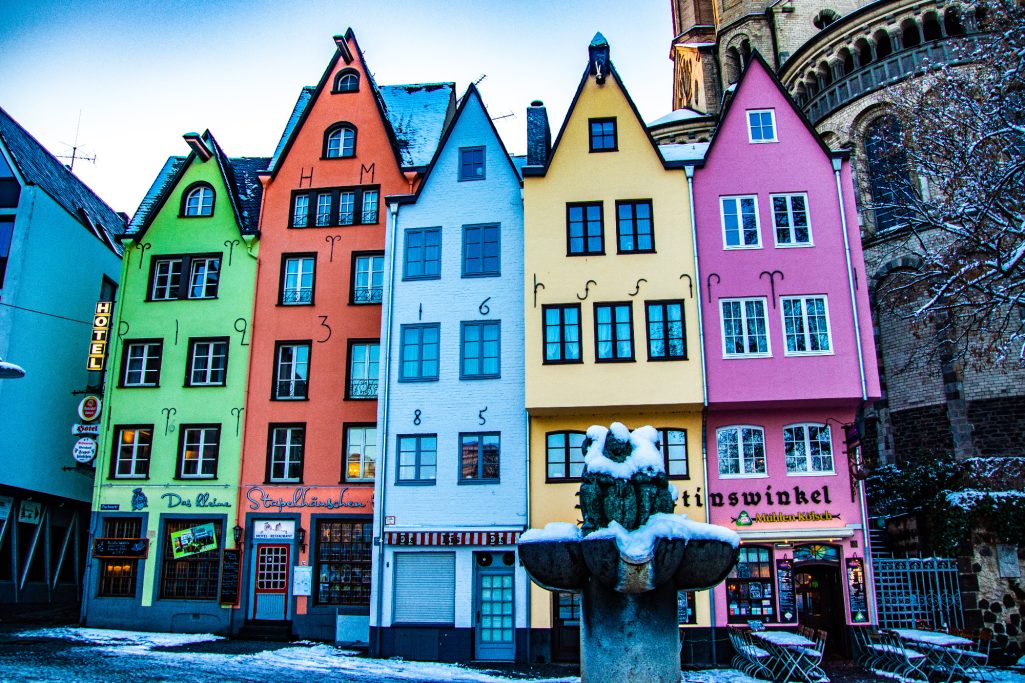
point(837, 165)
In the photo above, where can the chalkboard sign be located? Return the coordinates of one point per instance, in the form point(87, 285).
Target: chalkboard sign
point(856, 590)
point(785, 592)
point(121, 548)
point(231, 571)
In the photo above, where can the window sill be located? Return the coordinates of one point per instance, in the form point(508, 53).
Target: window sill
point(801, 245)
point(802, 354)
point(763, 142)
point(741, 247)
point(288, 399)
point(138, 386)
point(475, 378)
point(282, 482)
point(563, 480)
point(667, 359)
point(414, 278)
point(811, 474)
point(562, 362)
point(206, 478)
point(629, 252)
point(742, 356)
point(468, 276)
point(416, 482)
point(469, 180)
point(204, 386)
point(479, 482)
point(586, 253)
point(744, 476)
point(616, 360)
point(126, 477)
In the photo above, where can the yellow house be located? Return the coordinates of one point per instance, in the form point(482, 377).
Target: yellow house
point(611, 310)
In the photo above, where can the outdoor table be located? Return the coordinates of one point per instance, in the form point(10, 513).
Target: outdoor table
point(943, 651)
point(795, 654)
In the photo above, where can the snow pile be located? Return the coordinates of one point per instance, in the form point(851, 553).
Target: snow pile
point(969, 498)
point(553, 531)
point(637, 546)
point(645, 455)
point(105, 636)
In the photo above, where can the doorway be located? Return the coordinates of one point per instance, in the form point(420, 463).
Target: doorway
point(820, 604)
point(495, 638)
point(566, 627)
point(270, 582)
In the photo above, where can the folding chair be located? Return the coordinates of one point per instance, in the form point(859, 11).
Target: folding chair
point(897, 659)
point(749, 658)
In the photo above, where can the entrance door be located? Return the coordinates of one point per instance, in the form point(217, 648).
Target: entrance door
point(820, 604)
point(566, 627)
point(496, 615)
point(270, 597)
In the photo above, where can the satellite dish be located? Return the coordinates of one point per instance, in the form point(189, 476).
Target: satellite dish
point(10, 370)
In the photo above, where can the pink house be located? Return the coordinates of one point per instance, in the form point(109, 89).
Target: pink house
point(789, 359)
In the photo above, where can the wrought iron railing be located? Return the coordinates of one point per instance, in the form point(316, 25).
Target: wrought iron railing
point(302, 295)
point(362, 388)
point(290, 388)
point(912, 591)
point(367, 295)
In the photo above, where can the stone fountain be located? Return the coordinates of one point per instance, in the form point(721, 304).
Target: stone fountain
point(628, 560)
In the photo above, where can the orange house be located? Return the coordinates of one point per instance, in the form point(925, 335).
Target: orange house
point(308, 465)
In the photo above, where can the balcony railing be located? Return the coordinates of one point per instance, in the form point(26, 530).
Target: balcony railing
point(886, 71)
point(363, 388)
point(367, 295)
point(303, 295)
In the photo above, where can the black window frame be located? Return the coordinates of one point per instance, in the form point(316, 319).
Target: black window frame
point(663, 433)
point(123, 371)
point(634, 203)
point(562, 360)
point(664, 303)
point(281, 279)
point(484, 271)
point(418, 465)
point(615, 341)
point(354, 300)
point(736, 580)
point(308, 343)
point(463, 324)
point(268, 479)
point(405, 253)
point(340, 125)
point(336, 86)
point(358, 205)
point(567, 461)
point(480, 479)
point(194, 579)
point(352, 553)
point(584, 206)
point(115, 448)
point(184, 286)
point(179, 474)
point(123, 581)
point(602, 134)
point(463, 165)
point(185, 200)
point(190, 358)
point(402, 353)
point(371, 381)
point(344, 478)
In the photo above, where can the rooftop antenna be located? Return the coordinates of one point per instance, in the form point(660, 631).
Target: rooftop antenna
point(502, 116)
point(480, 78)
point(74, 149)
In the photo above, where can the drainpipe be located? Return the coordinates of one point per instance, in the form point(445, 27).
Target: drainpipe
point(529, 586)
point(837, 165)
point(704, 386)
point(383, 405)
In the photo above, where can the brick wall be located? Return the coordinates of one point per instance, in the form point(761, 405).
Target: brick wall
point(999, 425)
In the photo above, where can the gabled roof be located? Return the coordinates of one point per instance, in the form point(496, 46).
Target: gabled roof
point(240, 178)
point(471, 92)
point(739, 85)
point(413, 115)
point(38, 167)
point(529, 171)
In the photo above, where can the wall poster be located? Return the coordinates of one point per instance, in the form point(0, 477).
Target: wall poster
point(194, 540)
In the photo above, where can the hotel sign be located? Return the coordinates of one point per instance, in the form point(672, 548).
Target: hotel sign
point(96, 360)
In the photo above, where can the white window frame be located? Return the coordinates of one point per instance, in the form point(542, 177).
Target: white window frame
point(298, 275)
point(204, 277)
point(204, 204)
point(292, 377)
point(361, 354)
point(202, 444)
point(740, 217)
point(807, 450)
point(370, 200)
point(744, 319)
point(367, 274)
point(804, 318)
point(347, 207)
point(146, 347)
point(740, 453)
point(165, 269)
point(207, 381)
point(301, 211)
point(775, 129)
point(133, 448)
point(790, 218)
point(287, 451)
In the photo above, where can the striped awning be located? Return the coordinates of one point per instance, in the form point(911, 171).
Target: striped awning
point(451, 537)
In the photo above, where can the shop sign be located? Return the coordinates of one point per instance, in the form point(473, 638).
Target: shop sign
point(746, 519)
point(194, 540)
point(30, 512)
point(856, 590)
point(110, 506)
point(273, 530)
point(6, 502)
point(89, 408)
point(84, 450)
point(1007, 562)
point(80, 429)
point(302, 498)
point(98, 343)
point(201, 500)
point(766, 498)
point(302, 580)
point(451, 537)
point(785, 592)
point(231, 571)
point(121, 548)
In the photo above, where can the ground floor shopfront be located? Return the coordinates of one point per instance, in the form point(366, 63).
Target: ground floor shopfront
point(450, 596)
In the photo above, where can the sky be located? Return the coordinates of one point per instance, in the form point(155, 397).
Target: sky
point(133, 76)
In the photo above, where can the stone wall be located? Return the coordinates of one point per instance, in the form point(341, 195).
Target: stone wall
point(921, 432)
point(999, 425)
point(991, 602)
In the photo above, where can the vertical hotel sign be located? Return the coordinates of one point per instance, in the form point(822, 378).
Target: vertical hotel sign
point(101, 331)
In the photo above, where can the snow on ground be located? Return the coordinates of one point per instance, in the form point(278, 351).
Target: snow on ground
point(103, 636)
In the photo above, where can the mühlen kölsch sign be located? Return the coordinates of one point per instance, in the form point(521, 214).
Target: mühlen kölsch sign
point(300, 498)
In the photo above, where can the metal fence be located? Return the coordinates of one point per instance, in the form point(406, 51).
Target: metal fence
point(911, 592)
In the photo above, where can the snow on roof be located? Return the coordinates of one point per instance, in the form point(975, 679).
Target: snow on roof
point(690, 151)
point(417, 113)
point(678, 115)
point(305, 95)
point(156, 190)
point(38, 167)
point(969, 498)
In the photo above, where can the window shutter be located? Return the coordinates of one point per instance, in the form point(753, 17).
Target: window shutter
point(425, 587)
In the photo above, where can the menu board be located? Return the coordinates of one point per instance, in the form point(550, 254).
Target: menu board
point(121, 548)
point(231, 571)
point(785, 592)
point(856, 590)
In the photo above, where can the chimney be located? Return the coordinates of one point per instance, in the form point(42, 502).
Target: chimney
point(598, 51)
point(539, 134)
point(199, 146)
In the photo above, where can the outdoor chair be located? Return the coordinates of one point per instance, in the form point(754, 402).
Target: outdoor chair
point(864, 655)
point(978, 657)
point(895, 658)
point(749, 658)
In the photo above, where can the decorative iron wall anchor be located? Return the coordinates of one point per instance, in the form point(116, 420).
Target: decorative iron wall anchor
point(332, 239)
point(637, 287)
point(690, 284)
point(772, 282)
point(231, 244)
point(536, 285)
point(708, 284)
point(587, 290)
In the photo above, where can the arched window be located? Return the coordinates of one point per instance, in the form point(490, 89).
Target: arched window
point(198, 200)
point(884, 46)
point(864, 49)
point(340, 141)
point(733, 65)
point(347, 81)
point(825, 18)
point(952, 22)
point(808, 448)
point(887, 164)
point(825, 74)
point(745, 53)
point(847, 60)
point(909, 35)
point(931, 27)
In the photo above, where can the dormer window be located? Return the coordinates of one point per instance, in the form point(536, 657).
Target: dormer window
point(761, 125)
point(347, 81)
point(602, 135)
point(340, 141)
point(198, 200)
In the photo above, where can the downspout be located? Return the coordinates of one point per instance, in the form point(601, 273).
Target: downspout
point(704, 387)
point(383, 406)
point(837, 165)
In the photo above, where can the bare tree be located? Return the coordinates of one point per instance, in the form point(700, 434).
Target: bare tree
point(961, 128)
